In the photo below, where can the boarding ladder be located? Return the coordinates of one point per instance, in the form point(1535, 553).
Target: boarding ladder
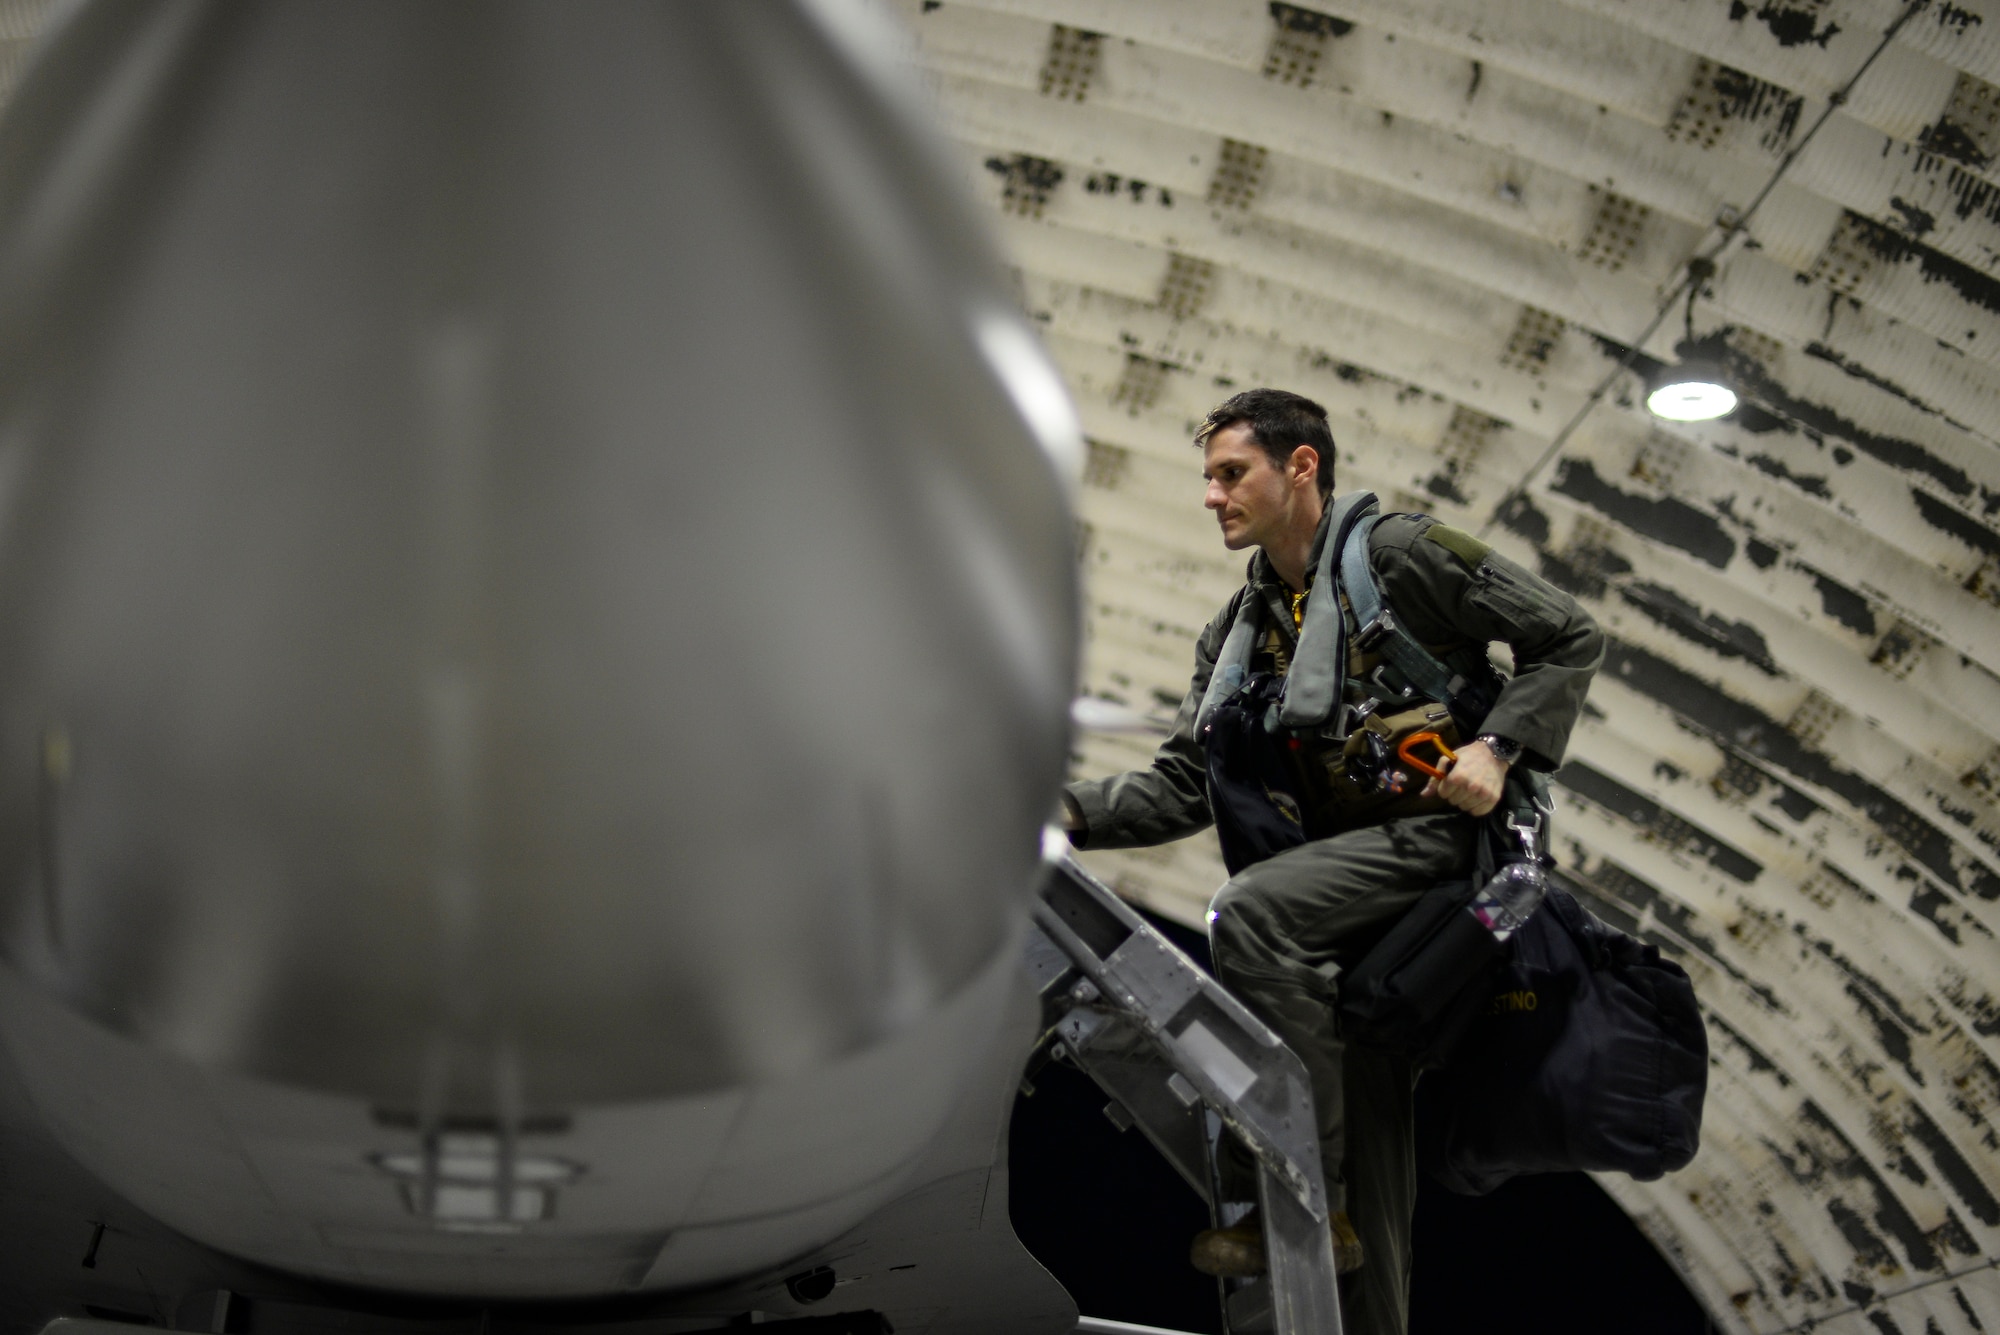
point(1185, 1063)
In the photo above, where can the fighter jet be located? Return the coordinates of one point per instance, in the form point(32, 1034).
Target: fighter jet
point(537, 607)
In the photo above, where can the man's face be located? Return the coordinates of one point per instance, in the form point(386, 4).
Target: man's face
point(1254, 498)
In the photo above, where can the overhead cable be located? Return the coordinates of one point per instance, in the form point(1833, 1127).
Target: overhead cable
point(1695, 272)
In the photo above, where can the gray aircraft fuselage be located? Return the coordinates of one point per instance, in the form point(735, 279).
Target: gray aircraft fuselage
point(536, 614)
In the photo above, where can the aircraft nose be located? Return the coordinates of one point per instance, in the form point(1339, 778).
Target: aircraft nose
point(514, 546)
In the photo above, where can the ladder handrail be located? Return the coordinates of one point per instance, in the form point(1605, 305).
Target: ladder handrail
point(1108, 977)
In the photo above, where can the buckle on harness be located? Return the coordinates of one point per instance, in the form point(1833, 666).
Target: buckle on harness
point(1389, 692)
point(1375, 631)
point(1347, 717)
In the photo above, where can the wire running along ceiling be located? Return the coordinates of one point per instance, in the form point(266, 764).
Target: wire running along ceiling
point(1450, 222)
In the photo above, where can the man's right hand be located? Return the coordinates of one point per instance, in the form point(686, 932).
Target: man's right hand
point(1474, 781)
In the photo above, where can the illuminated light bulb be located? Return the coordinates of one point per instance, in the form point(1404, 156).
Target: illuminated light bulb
point(1691, 392)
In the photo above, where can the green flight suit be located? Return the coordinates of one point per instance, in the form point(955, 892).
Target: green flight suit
point(1282, 930)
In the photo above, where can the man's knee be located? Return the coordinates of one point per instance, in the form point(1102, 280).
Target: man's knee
point(1247, 940)
point(1239, 928)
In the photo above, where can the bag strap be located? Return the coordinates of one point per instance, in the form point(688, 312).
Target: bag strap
point(1319, 667)
point(1379, 627)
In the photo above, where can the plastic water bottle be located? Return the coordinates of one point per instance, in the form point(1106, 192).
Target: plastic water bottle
point(1509, 899)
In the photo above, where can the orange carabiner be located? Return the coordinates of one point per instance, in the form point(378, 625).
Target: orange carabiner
point(1445, 753)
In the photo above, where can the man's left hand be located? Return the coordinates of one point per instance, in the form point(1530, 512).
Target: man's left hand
point(1474, 781)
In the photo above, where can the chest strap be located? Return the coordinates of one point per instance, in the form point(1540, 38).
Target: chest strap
point(1231, 665)
point(1380, 631)
point(1319, 665)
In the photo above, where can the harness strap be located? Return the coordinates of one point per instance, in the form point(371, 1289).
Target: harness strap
point(1379, 628)
point(1231, 665)
point(1319, 666)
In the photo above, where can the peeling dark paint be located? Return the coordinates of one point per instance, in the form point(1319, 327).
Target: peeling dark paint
point(1950, 519)
point(1758, 422)
point(1843, 604)
point(1930, 904)
point(1955, 1236)
point(1959, 1175)
point(1890, 1215)
point(1948, 139)
point(1593, 784)
point(1884, 1323)
point(1795, 803)
point(1857, 1292)
point(1610, 884)
point(1916, 221)
point(1811, 484)
point(1584, 572)
point(1895, 1039)
point(1965, 1306)
point(1667, 520)
point(1732, 723)
point(1138, 191)
point(1960, 20)
point(1984, 1008)
point(1877, 995)
point(1892, 247)
point(1971, 195)
point(1444, 486)
point(1792, 25)
point(1745, 97)
point(1754, 1055)
point(1897, 644)
point(1520, 515)
point(1762, 554)
point(1909, 1169)
point(1895, 451)
point(1730, 639)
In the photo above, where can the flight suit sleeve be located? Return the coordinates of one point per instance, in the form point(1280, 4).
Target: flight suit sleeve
point(1168, 800)
point(1449, 587)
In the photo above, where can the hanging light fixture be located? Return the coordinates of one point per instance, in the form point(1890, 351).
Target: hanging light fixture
point(1696, 390)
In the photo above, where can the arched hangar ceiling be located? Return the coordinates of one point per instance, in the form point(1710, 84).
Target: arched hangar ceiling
point(1453, 222)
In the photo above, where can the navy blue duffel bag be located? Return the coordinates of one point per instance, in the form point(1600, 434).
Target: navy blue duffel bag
point(1590, 1054)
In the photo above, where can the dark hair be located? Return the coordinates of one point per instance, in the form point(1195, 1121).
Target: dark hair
point(1279, 422)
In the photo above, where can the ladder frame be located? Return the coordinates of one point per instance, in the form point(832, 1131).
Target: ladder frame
point(1188, 1064)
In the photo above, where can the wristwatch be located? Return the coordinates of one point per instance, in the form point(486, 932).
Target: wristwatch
point(1506, 749)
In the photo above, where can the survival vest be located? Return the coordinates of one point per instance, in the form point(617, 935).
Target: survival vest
point(1309, 749)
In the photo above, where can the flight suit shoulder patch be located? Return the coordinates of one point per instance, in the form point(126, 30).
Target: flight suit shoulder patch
point(1459, 543)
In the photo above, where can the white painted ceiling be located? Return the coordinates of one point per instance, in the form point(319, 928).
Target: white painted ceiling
point(1448, 221)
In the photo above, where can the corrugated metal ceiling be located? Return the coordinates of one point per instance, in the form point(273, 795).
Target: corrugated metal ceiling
point(1450, 221)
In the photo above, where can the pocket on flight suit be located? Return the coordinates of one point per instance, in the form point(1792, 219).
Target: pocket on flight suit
point(1505, 594)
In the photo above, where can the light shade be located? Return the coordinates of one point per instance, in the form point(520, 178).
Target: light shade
point(1691, 392)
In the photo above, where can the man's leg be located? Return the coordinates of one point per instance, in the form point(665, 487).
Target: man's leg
point(1282, 931)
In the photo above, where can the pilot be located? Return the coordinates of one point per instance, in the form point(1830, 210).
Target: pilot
point(1283, 928)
